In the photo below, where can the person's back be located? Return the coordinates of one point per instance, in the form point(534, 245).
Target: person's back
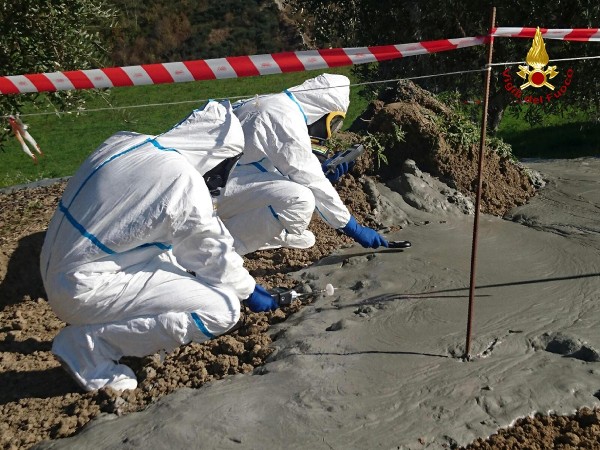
point(270, 123)
point(118, 210)
point(115, 195)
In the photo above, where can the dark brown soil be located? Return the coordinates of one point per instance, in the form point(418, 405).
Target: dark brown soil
point(38, 400)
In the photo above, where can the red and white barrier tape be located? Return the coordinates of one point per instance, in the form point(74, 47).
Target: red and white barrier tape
point(266, 64)
point(565, 34)
point(231, 67)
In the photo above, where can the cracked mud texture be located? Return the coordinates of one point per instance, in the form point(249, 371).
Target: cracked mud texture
point(39, 401)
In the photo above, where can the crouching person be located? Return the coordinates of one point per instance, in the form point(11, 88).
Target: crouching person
point(279, 182)
point(135, 259)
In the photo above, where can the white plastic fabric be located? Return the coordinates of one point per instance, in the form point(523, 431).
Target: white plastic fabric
point(133, 220)
point(278, 177)
point(323, 94)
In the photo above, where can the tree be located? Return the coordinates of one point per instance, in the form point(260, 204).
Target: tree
point(369, 22)
point(164, 31)
point(149, 32)
point(40, 36)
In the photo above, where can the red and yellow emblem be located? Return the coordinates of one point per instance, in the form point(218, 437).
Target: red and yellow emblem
point(537, 57)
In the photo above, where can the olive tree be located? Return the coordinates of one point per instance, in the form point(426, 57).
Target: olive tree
point(38, 36)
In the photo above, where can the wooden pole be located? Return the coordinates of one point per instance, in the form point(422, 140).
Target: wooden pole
point(486, 98)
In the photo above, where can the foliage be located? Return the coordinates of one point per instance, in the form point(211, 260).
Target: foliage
point(339, 142)
point(149, 32)
point(377, 143)
point(47, 36)
point(503, 149)
point(165, 31)
point(350, 23)
point(460, 131)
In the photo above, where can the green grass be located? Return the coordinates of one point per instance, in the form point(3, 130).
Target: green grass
point(67, 140)
point(569, 136)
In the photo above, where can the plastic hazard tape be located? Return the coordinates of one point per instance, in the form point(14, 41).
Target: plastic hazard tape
point(231, 67)
point(565, 34)
point(266, 64)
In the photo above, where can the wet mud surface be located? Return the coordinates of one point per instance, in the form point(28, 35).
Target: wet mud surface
point(39, 401)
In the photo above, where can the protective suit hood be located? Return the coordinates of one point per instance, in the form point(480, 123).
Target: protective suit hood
point(322, 95)
point(206, 137)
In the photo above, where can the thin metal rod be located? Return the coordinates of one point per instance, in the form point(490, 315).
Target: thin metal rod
point(486, 99)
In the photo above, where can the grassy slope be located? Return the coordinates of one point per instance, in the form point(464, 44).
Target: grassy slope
point(67, 139)
point(569, 136)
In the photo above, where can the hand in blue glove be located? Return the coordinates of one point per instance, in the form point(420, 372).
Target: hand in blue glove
point(365, 236)
point(260, 300)
point(340, 170)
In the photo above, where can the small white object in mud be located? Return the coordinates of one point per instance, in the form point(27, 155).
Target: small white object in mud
point(329, 289)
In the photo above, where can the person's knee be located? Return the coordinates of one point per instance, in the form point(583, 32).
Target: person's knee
point(217, 321)
point(303, 199)
point(297, 210)
point(202, 324)
point(228, 317)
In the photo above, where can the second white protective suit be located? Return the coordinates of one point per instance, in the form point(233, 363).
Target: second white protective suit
point(278, 183)
point(134, 221)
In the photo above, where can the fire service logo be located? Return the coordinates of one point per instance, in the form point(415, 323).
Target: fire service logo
point(535, 75)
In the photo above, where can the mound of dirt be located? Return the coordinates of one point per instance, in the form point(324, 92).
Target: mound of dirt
point(446, 145)
point(39, 401)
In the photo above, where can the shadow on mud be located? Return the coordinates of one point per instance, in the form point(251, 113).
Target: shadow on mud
point(23, 272)
point(17, 385)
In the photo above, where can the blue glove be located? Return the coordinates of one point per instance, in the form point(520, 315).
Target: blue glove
point(340, 170)
point(260, 300)
point(365, 236)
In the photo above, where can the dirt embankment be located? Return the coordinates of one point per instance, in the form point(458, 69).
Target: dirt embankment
point(445, 144)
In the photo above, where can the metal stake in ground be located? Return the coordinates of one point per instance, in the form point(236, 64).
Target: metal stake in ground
point(479, 183)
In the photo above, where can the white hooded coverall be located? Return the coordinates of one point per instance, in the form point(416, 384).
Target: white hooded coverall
point(278, 182)
point(133, 219)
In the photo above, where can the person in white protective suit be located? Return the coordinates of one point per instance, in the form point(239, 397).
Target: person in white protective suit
point(135, 259)
point(278, 182)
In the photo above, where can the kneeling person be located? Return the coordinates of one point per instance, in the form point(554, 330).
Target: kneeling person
point(135, 259)
point(279, 183)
